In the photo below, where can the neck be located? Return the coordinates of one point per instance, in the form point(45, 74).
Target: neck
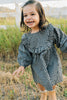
point(35, 30)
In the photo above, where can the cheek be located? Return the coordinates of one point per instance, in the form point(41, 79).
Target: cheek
point(38, 19)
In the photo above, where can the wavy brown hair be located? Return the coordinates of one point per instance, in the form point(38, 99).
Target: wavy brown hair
point(40, 11)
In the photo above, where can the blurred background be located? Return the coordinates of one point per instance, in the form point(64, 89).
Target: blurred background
point(24, 88)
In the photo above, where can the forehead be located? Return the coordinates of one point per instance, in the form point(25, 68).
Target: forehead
point(29, 8)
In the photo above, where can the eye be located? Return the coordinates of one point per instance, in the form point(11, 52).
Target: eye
point(25, 16)
point(32, 14)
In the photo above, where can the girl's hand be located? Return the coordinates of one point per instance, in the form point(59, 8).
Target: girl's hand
point(17, 72)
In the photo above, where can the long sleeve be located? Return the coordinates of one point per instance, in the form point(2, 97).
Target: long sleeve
point(24, 56)
point(60, 39)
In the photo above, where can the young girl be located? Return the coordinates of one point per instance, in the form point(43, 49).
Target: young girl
point(37, 49)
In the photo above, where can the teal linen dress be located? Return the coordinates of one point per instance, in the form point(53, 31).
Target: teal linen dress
point(38, 50)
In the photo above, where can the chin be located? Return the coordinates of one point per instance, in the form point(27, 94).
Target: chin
point(31, 26)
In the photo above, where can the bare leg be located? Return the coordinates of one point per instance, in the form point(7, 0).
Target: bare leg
point(52, 94)
point(43, 94)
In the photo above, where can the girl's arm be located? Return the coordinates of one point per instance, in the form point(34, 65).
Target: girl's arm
point(24, 57)
point(60, 39)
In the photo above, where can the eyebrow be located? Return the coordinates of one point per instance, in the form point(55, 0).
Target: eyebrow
point(30, 12)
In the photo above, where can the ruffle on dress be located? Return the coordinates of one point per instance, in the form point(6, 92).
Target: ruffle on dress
point(35, 45)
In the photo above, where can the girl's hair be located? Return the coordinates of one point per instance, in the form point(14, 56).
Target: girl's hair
point(40, 11)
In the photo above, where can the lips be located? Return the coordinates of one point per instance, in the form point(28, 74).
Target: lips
point(30, 22)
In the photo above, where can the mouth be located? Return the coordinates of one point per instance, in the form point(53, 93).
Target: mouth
point(30, 22)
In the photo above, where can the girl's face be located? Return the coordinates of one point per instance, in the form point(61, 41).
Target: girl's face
point(31, 16)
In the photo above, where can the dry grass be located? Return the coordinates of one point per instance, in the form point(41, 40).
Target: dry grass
point(7, 21)
point(24, 87)
point(10, 86)
point(5, 9)
point(13, 88)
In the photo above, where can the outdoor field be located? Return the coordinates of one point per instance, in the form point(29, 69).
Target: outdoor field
point(24, 88)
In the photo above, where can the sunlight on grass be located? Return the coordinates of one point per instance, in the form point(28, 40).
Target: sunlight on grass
point(7, 21)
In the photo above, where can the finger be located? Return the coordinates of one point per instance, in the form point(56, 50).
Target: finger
point(14, 72)
point(18, 73)
point(22, 72)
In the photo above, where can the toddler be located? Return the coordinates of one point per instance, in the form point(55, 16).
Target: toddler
point(37, 48)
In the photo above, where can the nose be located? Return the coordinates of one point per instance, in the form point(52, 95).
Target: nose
point(28, 17)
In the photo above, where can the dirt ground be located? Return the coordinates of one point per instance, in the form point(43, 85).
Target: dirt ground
point(11, 88)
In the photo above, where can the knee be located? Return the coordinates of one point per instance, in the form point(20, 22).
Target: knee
point(40, 87)
point(53, 91)
point(54, 86)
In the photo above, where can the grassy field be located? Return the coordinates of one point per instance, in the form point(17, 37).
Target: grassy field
point(9, 41)
point(13, 88)
point(11, 37)
point(7, 21)
point(61, 23)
